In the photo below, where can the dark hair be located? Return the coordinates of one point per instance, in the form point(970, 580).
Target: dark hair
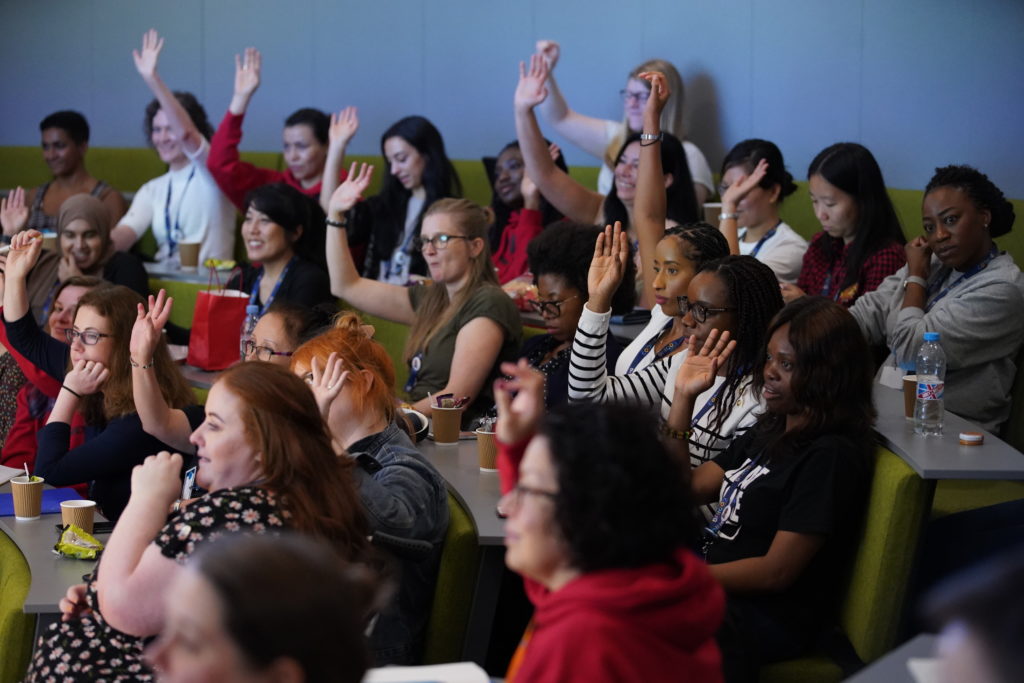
point(983, 597)
point(749, 153)
point(622, 500)
point(754, 292)
point(566, 250)
point(71, 122)
point(317, 121)
point(292, 210)
point(290, 596)
point(302, 323)
point(982, 191)
point(190, 104)
point(853, 169)
point(548, 213)
point(702, 242)
point(832, 376)
point(681, 205)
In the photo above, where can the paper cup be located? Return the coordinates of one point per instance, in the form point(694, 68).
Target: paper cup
point(487, 449)
point(81, 513)
point(188, 252)
point(446, 422)
point(28, 497)
point(711, 212)
point(909, 395)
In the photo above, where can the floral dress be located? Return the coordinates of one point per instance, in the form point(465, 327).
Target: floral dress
point(89, 649)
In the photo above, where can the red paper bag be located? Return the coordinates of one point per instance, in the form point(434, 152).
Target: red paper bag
point(216, 325)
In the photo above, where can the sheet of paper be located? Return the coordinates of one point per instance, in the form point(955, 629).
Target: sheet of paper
point(926, 669)
point(8, 473)
point(461, 672)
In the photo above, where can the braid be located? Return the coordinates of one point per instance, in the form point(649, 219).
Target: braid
point(754, 292)
point(706, 243)
point(982, 191)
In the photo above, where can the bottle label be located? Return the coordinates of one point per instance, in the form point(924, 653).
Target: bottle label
point(930, 391)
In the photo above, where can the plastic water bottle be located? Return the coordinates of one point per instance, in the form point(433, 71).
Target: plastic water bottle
point(931, 381)
point(252, 316)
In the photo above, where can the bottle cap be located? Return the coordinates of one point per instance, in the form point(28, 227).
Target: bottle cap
point(971, 438)
point(252, 309)
point(931, 336)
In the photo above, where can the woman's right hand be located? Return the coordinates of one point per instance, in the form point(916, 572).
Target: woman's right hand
point(344, 126)
point(157, 480)
point(73, 604)
point(350, 191)
point(24, 254)
point(519, 416)
point(14, 212)
point(531, 89)
point(327, 383)
point(247, 73)
point(611, 254)
point(147, 59)
point(735, 193)
point(697, 373)
point(660, 93)
point(86, 377)
point(550, 51)
point(149, 327)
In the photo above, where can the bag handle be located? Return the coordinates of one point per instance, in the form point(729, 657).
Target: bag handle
point(215, 275)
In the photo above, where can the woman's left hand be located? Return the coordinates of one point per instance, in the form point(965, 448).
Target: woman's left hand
point(919, 257)
point(67, 267)
point(656, 102)
point(86, 377)
point(158, 479)
point(741, 188)
point(149, 327)
point(328, 383)
point(697, 373)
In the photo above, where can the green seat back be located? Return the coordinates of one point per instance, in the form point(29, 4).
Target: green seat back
point(453, 594)
point(16, 627)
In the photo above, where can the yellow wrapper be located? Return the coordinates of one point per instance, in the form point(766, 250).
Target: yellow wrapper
point(76, 543)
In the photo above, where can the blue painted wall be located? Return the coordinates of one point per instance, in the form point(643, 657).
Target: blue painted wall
point(920, 82)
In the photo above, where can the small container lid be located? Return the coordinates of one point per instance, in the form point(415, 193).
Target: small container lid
point(972, 438)
point(931, 336)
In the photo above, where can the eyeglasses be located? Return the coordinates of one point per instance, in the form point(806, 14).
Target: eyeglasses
point(89, 337)
point(640, 97)
point(263, 353)
point(438, 242)
point(514, 498)
point(550, 309)
point(698, 310)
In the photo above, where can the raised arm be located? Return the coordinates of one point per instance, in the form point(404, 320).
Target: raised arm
point(731, 198)
point(344, 126)
point(14, 212)
point(23, 256)
point(572, 199)
point(158, 419)
point(146, 64)
point(695, 376)
point(586, 132)
point(377, 298)
point(247, 80)
point(650, 207)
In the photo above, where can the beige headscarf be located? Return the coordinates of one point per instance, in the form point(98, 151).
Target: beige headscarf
point(92, 211)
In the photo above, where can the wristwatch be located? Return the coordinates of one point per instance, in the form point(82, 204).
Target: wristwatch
point(916, 280)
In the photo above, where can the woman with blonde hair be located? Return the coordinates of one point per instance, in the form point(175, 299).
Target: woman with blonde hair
point(462, 325)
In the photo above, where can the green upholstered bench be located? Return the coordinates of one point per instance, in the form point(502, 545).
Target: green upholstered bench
point(16, 627)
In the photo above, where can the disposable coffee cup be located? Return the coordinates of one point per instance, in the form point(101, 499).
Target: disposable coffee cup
point(487, 449)
point(188, 252)
point(28, 497)
point(81, 513)
point(50, 241)
point(909, 395)
point(446, 422)
point(711, 212)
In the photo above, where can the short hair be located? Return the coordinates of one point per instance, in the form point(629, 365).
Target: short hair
point(622, 500)
point(702, 243)
point(566, 250)
point(291, 209)
point(981, 191)
point(749, 153)
point(191, 106)
point(987, 599)
point(318, 122)
point(290, 596)
point(681, 201)
point(852, 168)
point(71, 122)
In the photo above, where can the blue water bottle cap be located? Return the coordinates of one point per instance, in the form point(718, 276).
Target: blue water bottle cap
point(931, 336)
point(252, 309)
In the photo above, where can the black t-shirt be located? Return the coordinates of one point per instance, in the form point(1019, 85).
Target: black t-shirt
point(305, 284)
point(819, 488)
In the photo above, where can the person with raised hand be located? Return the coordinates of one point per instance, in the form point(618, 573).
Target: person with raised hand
point(14, 215)
point(305, 143)
point(603, 138)
point(577, 202)
point(184, 204)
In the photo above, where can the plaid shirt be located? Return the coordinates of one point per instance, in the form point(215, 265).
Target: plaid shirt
point(819, 271)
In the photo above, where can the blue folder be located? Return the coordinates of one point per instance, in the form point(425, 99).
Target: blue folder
point(52, 499)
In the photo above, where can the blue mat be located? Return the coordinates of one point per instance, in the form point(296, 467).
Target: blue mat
point(52, 499)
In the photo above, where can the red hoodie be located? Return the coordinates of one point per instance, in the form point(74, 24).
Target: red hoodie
point(653, 623)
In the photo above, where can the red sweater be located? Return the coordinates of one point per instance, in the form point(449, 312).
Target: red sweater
point(236, 177)
point(510, 258)
point(653, 623)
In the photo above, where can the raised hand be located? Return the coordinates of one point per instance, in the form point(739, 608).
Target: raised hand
point(147, 59)
point(327, 383)
point(551, 51)
point(14, 212)
point(157, 480)
point(742, 187)
point(350, 191)
point(531, 89)
point(660, 93)
point(519, 415)
point(86, 377)
point(611, 254)
point(697, 373)
point(24, 254)
point(247, 73)
point(343, 127)
point(149, 327)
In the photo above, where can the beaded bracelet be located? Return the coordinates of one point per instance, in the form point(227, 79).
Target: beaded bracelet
point(343, 223)
point(152, 362)
point(675, 433)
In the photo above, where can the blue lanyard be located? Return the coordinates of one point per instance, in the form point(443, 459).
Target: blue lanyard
point(277, 285)
point(652, 342)
point(175, 232)
point(764, 238)
point(732, 491)
point(967, 274)
point(707, 406)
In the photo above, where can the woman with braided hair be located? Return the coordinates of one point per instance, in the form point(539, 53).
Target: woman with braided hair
point(735, 294)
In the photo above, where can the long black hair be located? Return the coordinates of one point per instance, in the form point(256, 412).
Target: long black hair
point(681, 205)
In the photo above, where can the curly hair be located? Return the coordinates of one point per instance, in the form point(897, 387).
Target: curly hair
point(681, 205)
point(566, 250)
point(71, 122)
point(754, 293)
point(195, 111)
point(982, 192)
point(748, 153)
point(622, 500)
point(702, 242)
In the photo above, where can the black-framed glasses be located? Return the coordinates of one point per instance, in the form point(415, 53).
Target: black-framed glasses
point(514, 498)
point(88, 337)
point(640, 97)
point(550, 309)
point(263, 353)
point(699, 311)
point(438, 242)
